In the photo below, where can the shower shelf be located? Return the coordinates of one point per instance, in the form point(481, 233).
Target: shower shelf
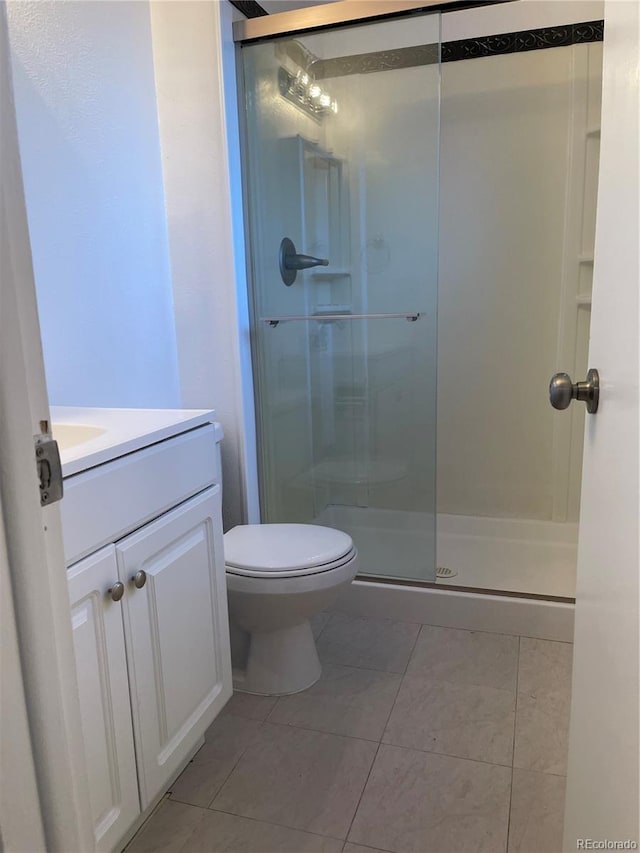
point(330, 273)
point(585, 259)
point(290, 318)
point(583, 300)
point(593, 131)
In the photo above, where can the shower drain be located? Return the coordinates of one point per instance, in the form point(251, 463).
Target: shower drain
point(444, 572)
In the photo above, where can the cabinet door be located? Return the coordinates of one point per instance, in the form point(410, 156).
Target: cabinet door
point(104, 696)
point(177, 635)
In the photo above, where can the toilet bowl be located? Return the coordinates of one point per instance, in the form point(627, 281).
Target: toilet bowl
point(278, 577)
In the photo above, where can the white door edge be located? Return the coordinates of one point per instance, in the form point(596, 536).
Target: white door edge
point(602, 800)
point(33, 534)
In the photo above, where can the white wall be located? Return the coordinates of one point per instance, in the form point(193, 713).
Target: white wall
point(85, 99)
point(200, 177)
point(131, 192)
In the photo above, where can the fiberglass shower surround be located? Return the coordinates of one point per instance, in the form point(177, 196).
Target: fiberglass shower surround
point(379, 335)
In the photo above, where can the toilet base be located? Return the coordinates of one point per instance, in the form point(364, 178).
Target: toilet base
point(280, 662)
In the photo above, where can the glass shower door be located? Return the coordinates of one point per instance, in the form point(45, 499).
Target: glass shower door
point(342, 133)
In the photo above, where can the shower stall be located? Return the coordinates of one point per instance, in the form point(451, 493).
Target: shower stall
point(420, 224)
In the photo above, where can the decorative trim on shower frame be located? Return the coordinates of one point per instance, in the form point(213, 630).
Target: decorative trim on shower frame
point(249, 8)
point(524, 40)
point(452, 51)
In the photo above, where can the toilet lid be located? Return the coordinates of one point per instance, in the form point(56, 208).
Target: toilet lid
point(267, 548)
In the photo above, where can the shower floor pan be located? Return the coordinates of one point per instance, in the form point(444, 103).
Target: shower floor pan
point(497, 554)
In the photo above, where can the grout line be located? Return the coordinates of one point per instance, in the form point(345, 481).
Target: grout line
point(321, 631)
point(364, 788)
point(367, 847)
point(267, 719)
point(513, 748)
point(395, 698)
point(164, 799)
point(545, 639)
point(540, 772)
point(274, 823)
point(321, 731)
point(380, 742)
point(241, 755)
point(362, 666)
point(252, 742)
point(447, 755)
point(413, 648)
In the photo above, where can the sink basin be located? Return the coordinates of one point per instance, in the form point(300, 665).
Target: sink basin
point(71, 435)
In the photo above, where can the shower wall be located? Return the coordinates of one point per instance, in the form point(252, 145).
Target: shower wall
point(520, 144)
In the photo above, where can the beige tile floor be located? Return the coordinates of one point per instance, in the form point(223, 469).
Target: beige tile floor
point(416, 739)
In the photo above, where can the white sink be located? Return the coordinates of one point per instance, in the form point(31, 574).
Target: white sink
point(71, 435)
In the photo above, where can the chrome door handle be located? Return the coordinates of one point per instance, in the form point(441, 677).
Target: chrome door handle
point(562, 391)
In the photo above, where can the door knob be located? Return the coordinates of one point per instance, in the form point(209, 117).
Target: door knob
point(117, 591)
point(562, 391)
point(139, 579)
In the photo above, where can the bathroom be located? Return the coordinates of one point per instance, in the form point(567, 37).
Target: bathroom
point(430, 441)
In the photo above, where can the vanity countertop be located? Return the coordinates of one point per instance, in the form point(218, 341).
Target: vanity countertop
point(90, 436)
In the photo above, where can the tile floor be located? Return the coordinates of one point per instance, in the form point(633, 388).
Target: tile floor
point(416, 739)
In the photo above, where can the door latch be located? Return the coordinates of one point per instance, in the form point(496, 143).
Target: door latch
point(49, 469)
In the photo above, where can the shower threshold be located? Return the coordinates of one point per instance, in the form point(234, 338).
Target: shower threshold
point(516, 556)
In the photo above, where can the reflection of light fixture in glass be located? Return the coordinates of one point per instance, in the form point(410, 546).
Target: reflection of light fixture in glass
point(306, 93)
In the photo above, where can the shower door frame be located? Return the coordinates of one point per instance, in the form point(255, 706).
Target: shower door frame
point(332, 15)
point(267, 28)
point(345, 12)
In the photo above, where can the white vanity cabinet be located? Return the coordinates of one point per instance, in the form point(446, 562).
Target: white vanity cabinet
point(177, 663)
point(105, 705)
point(150, 625)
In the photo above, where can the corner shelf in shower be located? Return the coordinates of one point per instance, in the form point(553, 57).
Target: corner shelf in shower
point(330, 273)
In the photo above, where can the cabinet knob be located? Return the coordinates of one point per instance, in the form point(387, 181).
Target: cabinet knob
point(139, 579)
point(117, 591)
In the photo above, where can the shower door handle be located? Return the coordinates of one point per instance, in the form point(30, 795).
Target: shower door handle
point(291, 261)
point(562, 391)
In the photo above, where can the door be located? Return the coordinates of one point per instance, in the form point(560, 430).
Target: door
point(98, 637)
point(342, 160)
point(178, 684)
point(36, 575)
point(602, 782)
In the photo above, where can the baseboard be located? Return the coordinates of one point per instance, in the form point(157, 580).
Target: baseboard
point(546, 620)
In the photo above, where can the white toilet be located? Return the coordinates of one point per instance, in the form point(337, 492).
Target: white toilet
point(278, 577)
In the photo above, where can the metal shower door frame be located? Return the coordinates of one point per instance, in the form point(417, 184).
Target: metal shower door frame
point(344, 12)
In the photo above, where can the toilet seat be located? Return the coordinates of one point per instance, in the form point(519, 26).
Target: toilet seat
point(285, 550)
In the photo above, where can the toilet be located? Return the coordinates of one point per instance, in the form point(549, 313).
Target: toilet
point(278, 577)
